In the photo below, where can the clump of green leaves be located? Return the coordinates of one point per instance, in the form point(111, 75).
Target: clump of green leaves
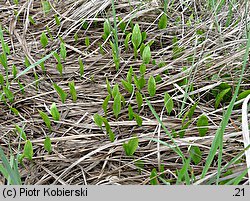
point(106, 29)
point(136, 38)
point(131, 146)
point(54, 112)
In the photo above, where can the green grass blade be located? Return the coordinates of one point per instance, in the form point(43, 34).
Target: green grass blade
point(35, 64)
point(220, 131)
point(177, 150)
point(8, 168)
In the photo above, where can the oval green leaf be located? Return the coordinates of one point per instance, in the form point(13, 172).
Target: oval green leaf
point(28, 150)
point(136, 36)
point(146, 55)
point(201, 123)
point(168, 101)
point(47, 144)
point(151, 86)
point(220, 96)
point(117, 105)
point(54, 112)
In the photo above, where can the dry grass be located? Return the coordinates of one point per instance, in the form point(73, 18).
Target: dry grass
point(82, 153)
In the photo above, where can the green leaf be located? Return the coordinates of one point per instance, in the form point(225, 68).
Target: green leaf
point(151, 86)
point(15, 177)
point(59, 67)
point(47, 144)
point(115, 90)
point(126, 41)
point(72, 90)
point(26, 62)
point(144, 35)
point(153, 177)
point(220, 96)
point(131, 146)
point(243, 95)
point(138, 119)
point(46, 7)
point(139, 99)
point(108, 87)
point(122, 24)
point(168, 101)
point(14, 110)
point(183, 129)
point(130, 113)
point(21, 86)
point(189, 113)
point(105, 104)
point(117, 105)
point(183, 173)
point(163, 21)
point(142, 47)
point(3, 60)
point(81, 66)
point(28, 150)
point(158, 79)
point(54, 112)
point(35, 64)
point(58, 58)
point(85, 25)
point(108, 130)
point(76, 37)
point(63, 95)
point(143, 69)
point(129, 75)
point(141, 83)
point(98, 120)
point(111, 135)
point(21, 132)
point(8, 94)
point(57, 20)
point(87, 42)
point(127, 86)
point(63, 51)
point(1, 80)
point(195, 154)
point(136, 36)
point(44, 40)
point(106, 28)
point(202, 122)
point(45, 119)
point(14, 71)
point(140, 165)
point(146, 55)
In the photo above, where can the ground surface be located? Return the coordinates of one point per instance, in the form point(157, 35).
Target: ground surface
point(211, 45)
